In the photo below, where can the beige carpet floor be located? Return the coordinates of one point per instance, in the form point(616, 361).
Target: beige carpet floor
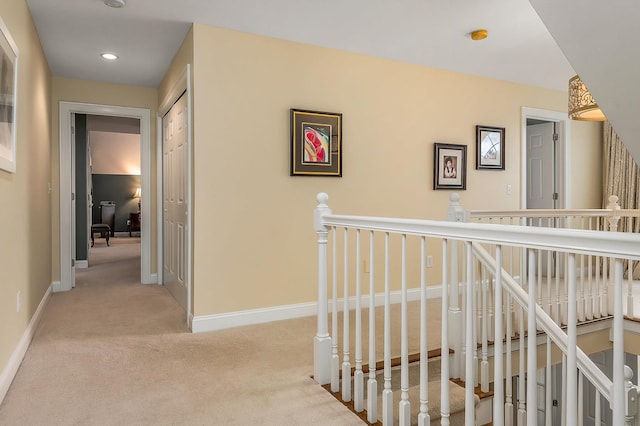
point(115, 352)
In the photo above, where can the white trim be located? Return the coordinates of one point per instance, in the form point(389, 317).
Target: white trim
point(564, 133)
point(205, 323)
point(182, 85)
point(10, 370)
point(82, 264)
point(144, 115)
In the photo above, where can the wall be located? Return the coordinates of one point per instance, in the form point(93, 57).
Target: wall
point(72, 90)
point(119, 189)
point(25, 224)
point(255, 245)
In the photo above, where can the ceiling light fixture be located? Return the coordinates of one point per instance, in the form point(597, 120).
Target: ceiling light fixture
point(117, 4)
point(582, 106)
point(109, 56)
point(479, 34)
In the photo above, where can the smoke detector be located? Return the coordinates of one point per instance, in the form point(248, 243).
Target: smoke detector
point(115, 3)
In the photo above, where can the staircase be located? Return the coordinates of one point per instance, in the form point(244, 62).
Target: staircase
point(490, 284)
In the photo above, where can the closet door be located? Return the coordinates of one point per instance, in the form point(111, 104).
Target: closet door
point(174, 200)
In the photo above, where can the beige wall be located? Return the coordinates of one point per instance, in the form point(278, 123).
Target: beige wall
point(255, 245)
point(93, 92)
point(25, 225)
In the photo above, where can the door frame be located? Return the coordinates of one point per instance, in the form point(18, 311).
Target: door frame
point(66, 189)
point(180, 87)
point(564, 144)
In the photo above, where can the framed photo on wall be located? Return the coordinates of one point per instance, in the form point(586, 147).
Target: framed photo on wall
point(8, 97)
point(450, 166)
point(316, 143)
point(489, 147)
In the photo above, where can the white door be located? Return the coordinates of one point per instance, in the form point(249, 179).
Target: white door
point(541, 166)
point(174, 200)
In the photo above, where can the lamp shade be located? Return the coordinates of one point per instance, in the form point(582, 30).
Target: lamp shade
point(582, 106)
point(137, 194)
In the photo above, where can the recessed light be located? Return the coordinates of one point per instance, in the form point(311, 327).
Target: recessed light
point(114, 3)
point(109, 56)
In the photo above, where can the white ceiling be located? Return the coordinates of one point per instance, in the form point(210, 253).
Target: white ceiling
point(147, 33)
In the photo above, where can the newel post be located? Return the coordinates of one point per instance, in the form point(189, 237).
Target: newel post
point(631, 399)
point(613, 218)
point(322, 341)
point(455, 213)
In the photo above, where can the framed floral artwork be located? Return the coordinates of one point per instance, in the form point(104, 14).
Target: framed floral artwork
point(316, 143)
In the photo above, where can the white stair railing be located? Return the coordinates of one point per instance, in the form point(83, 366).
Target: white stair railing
point(482, 267)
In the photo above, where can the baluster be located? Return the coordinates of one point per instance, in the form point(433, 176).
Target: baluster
point(346, 361)
point(581, 300)
point(335, 358)
point(484, 365)
point(358, 375)
point(630, 312)
point(423, 417)
point(572, 403)
point(597, 409)
point(558, 315)
point(618, 394)
point(455, 315)
point(322, 340)
point(564, 391)
point(469, 412)
point(387, 394)
point(598, 283)
point(538, 278)
point(580, 398)
point(532, 361)
point(498, 375)
point(508, 405)
point(548, 406)
point(522, 412)
point(444, 351)
point(404, 404)
point(549, 304)
point(372, 383)
point(590, 296)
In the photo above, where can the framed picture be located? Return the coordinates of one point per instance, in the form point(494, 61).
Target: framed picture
point(489, 147)
point(450, 166)
point(8, 89)
point(316, 143)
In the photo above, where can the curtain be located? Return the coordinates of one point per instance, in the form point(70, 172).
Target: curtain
point(621, 177)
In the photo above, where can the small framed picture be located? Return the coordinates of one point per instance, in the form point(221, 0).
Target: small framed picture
point(450, 166)
point(316, 143)
point(489, 147)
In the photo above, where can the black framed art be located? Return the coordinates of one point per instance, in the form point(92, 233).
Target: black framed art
point(316, 143)
point(449, 166)
point(489, 147)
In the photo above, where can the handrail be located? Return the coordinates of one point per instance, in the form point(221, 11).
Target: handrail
point(578, 241)
point(544, 213)
point(602, 383)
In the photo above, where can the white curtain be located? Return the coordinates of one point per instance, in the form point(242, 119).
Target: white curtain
point(621, 177)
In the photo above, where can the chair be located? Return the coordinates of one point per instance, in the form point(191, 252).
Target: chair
point(101, 228)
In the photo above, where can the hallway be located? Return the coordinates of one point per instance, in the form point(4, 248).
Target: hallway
point(113, 351)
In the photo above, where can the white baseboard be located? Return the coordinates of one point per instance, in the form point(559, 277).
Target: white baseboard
point(204, 323)
point(56, 286)
point(150, 279)
point(10, 370)
point(82, 264)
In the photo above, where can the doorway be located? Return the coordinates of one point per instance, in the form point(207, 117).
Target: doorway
point(67, 192)
point(545, 154)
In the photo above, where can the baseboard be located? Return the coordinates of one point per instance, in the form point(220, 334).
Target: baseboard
point(82, 264)
point(56, 286)
point(10, 370)
point(150, 279)
point(205, 323)
point(125, 234)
